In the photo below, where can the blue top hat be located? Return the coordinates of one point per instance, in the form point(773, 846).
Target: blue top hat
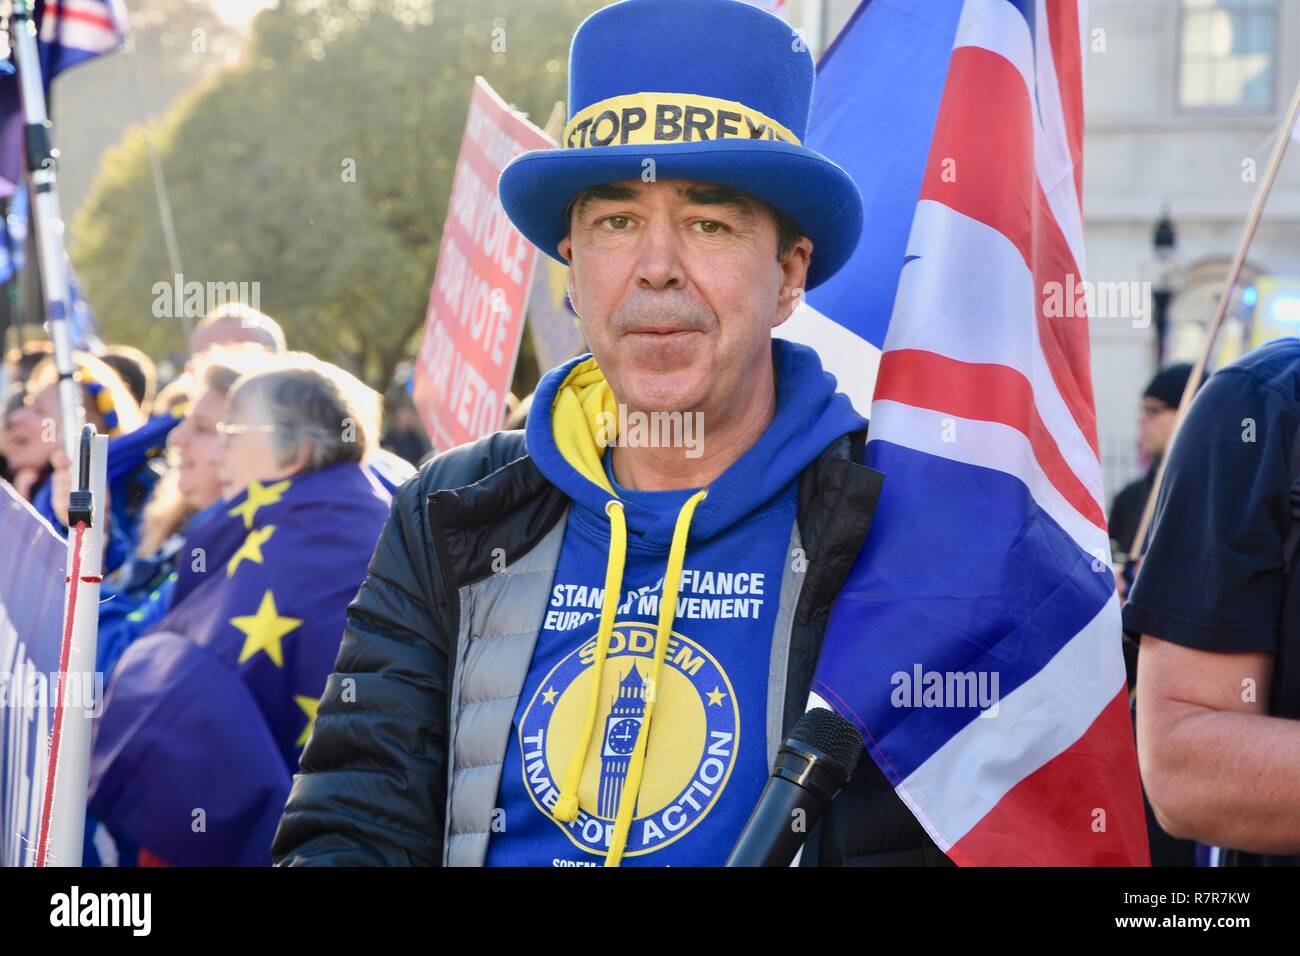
point(712, 90)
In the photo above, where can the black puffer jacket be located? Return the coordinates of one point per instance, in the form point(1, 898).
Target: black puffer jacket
point(373, 787)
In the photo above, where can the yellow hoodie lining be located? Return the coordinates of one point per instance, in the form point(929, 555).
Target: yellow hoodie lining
point(584, 405)
point(578, 416)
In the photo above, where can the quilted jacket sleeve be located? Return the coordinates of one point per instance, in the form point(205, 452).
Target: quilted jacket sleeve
point(372, 785)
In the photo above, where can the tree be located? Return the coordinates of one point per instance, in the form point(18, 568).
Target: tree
point(320, 168)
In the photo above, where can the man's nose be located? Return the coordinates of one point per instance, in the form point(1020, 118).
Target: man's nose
point(660, 265)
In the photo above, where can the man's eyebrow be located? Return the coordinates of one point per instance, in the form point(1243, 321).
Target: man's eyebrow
point(698, 195)
point(603, 191)
point(719, 196)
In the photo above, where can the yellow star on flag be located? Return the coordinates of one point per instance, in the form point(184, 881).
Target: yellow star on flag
point(715, 696)
point(308, 705)
point(251, 549)
point(259, 495)
point(549, 695)
point(264, 630)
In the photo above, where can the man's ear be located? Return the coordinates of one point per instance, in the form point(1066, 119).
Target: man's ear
point(571, 288)
point(794, 275)
point(565, 248)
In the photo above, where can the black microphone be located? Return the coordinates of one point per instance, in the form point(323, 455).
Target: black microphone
point(812, 766)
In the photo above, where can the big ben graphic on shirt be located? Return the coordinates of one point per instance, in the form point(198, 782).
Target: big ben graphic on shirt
point(622, 727)
point(691, 752)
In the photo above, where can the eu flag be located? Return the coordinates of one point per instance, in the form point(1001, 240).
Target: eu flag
point(205, 716)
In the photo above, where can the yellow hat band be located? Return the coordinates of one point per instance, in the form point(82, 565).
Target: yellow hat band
point(653, 119)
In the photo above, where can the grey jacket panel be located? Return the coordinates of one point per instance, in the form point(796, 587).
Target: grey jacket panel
point(792, 576)
point(499, 622)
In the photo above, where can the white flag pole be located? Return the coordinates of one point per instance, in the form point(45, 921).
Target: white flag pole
point(63, 807)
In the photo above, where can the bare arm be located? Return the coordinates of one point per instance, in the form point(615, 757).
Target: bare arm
point(1216, 767)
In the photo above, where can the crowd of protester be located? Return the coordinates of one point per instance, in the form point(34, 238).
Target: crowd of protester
point(255, 475)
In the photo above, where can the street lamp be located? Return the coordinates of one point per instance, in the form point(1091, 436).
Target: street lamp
point(1163, 240)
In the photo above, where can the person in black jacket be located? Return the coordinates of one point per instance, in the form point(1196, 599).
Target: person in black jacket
point(582, 644)
point(1156, 424)
point(1159, 410)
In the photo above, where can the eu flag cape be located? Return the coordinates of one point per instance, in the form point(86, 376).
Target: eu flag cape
point(206, 715)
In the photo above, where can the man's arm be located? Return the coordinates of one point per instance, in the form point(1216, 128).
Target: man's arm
point(1216, 767)
point(371, 791)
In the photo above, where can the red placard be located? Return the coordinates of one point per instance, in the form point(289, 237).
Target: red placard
point(475, 320)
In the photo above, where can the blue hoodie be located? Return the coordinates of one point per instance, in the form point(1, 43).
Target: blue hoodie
point(675, 590)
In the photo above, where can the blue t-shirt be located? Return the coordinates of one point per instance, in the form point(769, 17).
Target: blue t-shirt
point(707, 759)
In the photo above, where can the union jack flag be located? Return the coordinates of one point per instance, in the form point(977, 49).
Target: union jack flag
point(977, 641)
point(70, 32)
point(76, 30)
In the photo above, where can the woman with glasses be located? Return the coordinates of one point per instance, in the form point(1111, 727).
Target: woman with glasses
point(212, 707)
point(139, 593)
point(301, 418)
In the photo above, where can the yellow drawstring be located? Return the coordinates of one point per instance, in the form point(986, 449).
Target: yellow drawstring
point(566, 808)
point(667, 610)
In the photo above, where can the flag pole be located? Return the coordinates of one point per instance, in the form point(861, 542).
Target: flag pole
point(77, 700)
point(1234, 273)
point(46, 218)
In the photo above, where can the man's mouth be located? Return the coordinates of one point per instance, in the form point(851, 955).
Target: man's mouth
point(664, 333)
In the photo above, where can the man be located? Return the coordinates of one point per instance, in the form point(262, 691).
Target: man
point(568, 654)
point(1155, 425)
point(235, 323)
point(1218, 606)
point(137, 371)
point(405, 436)
point(1156, 418)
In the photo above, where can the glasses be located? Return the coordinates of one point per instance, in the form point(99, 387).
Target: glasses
point(225, 430)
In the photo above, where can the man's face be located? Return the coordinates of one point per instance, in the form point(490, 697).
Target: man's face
point(678, 287)
point(1155, 423)
point(227, 330)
